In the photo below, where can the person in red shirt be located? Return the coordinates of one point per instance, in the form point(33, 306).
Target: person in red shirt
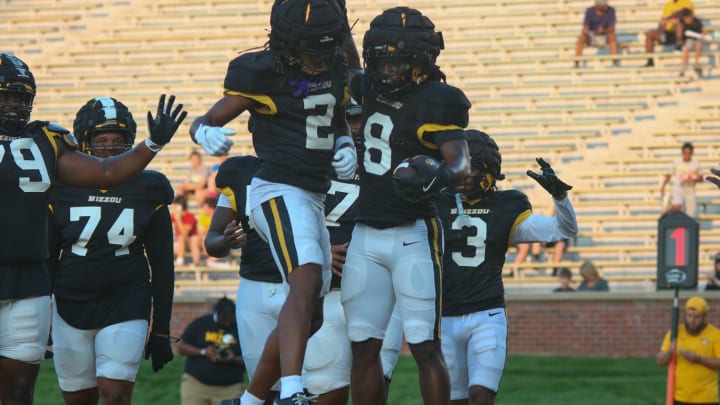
point(186, 233)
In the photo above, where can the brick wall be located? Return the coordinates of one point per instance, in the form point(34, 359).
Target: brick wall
point(569, 324)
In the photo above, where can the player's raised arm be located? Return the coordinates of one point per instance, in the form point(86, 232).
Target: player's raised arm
point(540, 228)
point(80, 170)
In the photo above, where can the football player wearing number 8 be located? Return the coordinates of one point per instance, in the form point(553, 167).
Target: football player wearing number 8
point(32, 156)
point(100, 275)
point(480, 222)
point(295, 91)
point(396, 246)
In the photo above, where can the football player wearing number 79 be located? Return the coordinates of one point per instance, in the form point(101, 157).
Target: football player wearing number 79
point(295, 91)
point(480, 222)
point(33, 155)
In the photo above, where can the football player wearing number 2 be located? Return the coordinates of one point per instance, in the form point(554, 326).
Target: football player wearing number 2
point(295, 91)
point(32, 156)
point(103, 285)
point(480, 222)
point(394, 255)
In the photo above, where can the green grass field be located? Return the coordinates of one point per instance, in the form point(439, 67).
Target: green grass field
point(528, 380)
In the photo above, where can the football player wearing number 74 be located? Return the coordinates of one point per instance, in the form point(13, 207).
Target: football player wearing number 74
point(33, 155)
point(480, 222)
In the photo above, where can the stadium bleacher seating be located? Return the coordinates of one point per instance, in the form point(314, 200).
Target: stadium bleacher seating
point(611, 131)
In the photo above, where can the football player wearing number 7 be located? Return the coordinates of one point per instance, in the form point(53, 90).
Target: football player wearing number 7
point(102, 288)
point(480, 222)
point(396, 246)
point(295, 91)
point(33, 155)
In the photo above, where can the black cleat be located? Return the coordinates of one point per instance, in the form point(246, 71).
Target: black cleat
point(297, 398)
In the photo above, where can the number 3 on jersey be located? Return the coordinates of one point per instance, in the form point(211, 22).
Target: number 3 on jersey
point(477, 242)
point(33, 162)
point(120, 233)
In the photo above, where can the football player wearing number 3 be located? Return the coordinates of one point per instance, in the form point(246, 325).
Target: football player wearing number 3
point(101, 281)
point(33, 155)
point(480, 222)
point(394, 255)
point(295, 91)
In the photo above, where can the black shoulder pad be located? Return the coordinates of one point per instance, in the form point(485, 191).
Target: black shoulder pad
point(252, 72)
point(439, 103)
point(59, 132)
point(237, 171)
point(517, 199)
point(158, 186)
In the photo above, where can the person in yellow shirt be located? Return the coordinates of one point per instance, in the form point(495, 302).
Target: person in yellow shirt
point(698, 356)
point(669, 28)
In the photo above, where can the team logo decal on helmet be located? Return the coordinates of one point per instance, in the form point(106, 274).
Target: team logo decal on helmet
point(17, 87)
point(307, 34)
point(103, 114)
point(400, 50)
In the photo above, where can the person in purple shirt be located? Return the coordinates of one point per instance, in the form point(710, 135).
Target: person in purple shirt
point(598, 29)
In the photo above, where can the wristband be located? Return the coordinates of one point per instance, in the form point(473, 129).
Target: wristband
point(155, 148)
point(203, 352)
point(342, 141)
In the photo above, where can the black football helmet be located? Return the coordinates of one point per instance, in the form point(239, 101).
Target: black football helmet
point(307, 34)
point(485, 163)
point(17, 91)
point(353, 113)
point(104, 114)
point(400, 50)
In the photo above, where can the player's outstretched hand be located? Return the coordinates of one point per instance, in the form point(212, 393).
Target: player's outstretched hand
point(158, 348)
point(714, 179)
point(163, 126)
point(214, 140)
point(549, 181)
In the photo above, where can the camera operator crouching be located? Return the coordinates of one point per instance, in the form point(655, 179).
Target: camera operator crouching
point(214, 368)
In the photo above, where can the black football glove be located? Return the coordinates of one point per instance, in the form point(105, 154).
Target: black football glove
point(163, 126)
point(158, 348)
point(714, 179)
point(549, 181)
point(431, 177)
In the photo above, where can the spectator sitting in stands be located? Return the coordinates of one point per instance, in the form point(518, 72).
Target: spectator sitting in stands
point(693, 33)
point(196, 181)
point(669, 30)
point(713, 277)
point(565, 280)
point(207, 208)
point(598, 29)
point(186, 235)
point(591, 278)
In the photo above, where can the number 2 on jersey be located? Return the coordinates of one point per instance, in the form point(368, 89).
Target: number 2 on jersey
point(120, 233)
point(477, 242)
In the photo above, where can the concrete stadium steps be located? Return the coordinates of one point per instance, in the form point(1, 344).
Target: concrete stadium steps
point(609, 131)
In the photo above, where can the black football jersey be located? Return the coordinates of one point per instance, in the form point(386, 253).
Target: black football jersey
point(475, 248)
point(27, 171)
point(292, 126)
point(416, 123)
point(102, 233)
point(340, 210)
point(233, 179)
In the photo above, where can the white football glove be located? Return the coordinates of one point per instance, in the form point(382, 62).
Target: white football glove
point(344, 162)
point(214, 140)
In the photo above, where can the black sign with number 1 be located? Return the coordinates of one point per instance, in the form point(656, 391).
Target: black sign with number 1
point(677, 262)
